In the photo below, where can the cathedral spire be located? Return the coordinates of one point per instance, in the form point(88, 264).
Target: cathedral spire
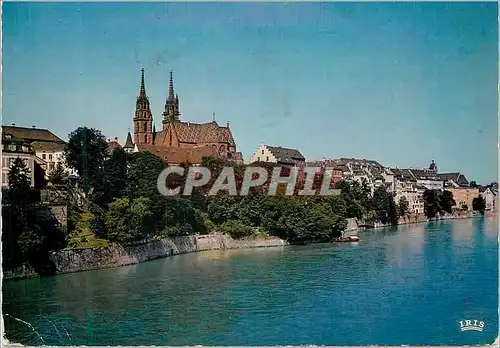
point(171, 96)
point(171, 113)
point(142, 92)
point(143, 118)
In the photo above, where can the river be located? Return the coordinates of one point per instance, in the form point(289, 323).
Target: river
point(406, 285)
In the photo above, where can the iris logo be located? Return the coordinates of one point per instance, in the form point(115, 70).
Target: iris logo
point(471, 325)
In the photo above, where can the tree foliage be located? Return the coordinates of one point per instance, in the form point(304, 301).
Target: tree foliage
point(86, 151)
point(437, 202)
point(479, 204)
point(29, 230)
point(129, 220)
point(58, 176)
point(384, 206)
point(446, 201)
point(403, 206)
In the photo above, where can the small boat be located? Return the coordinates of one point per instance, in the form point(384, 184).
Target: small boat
point(346, 239)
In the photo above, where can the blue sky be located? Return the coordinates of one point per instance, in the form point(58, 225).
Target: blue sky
point(401, 83)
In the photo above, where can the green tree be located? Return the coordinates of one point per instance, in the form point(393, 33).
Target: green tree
point(384, 205)
point(29, 229)
point(182, 218)
point(322, 224)
point(86, 152)
point(392, 213)
point(236, 229)
point(19, 192)
point(337, 205)
point(479, 204)
point(250, 210)
point(352, 194)
point(446, 201)
point(143, 169)
point(222, 208)
point(114, 179)
point(431, 203)
point(41, 234)
point(403, 206)
point(128, 221)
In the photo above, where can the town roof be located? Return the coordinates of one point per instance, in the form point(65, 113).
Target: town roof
point(49, 146)
point(404, 174)
point(363, 162)
point(112, 145)
point(32, 134)
point(422, 174)
point(285, 155)
point(460, 179)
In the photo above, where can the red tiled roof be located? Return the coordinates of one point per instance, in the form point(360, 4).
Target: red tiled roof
point(112, 145)
point(194, 133)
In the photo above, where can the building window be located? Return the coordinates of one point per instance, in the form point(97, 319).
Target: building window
point(50, 157)
point(258, 159)
point(4, 178)
point(43, 156)
point(267, 158)
point(262, 151)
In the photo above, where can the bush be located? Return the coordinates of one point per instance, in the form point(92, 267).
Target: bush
point(236, 229)
point(180, 214)
point(129, 221)
point(210, 226)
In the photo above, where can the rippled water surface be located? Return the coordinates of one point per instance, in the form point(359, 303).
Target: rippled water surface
point(405, 285)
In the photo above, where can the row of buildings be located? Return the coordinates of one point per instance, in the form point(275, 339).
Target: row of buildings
point(409, 183)
point(180, 141)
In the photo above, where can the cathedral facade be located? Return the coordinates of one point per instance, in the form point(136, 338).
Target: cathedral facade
point(178, 141)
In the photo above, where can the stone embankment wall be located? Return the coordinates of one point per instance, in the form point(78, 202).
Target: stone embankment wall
point(353, 223)
point(76, 260)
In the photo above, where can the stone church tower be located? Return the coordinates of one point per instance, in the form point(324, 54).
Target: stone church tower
point(143, 119)
point(171, 113)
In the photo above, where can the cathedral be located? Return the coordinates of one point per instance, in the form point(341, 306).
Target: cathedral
point(178, 141)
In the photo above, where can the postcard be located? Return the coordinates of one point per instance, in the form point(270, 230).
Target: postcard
point(250, 174)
